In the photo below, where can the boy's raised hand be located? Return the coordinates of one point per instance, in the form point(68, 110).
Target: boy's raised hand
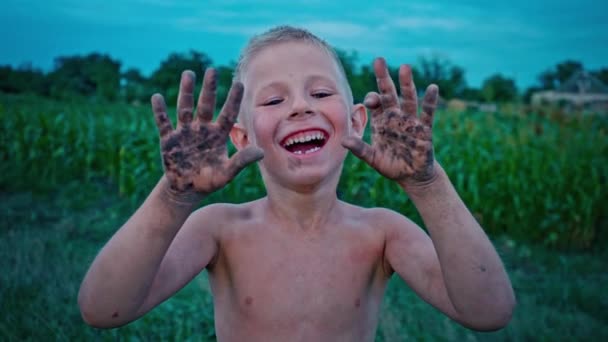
point(402, 146)
point(195, 156)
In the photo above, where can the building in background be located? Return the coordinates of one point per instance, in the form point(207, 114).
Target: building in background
point(581, 91)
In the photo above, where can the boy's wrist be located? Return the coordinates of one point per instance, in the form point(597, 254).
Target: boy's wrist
point(426, 187)
point(180, 198)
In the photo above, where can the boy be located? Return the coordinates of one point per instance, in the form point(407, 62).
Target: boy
point(298, 264)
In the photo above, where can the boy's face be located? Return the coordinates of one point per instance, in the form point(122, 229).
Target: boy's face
point(296, 109)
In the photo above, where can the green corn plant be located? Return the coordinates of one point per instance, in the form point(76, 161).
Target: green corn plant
point(533, 177)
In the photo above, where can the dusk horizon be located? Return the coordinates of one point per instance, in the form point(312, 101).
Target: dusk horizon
point(519, 41)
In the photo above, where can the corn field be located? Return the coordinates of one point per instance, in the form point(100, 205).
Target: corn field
point(533, 177)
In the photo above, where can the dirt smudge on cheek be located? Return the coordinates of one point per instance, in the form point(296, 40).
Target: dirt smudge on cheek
point(293, 163)
point(358, 303)
point(248, 301)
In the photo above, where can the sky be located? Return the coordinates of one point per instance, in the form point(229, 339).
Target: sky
point(517, 38)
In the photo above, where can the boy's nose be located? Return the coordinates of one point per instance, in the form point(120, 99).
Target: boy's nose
point(300, 107)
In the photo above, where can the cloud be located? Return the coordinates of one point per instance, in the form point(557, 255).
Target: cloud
point(198, 24)
point(336, 29)
point(421, 23)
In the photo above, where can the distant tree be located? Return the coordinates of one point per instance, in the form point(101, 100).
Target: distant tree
point(165, 79)
point(554, 78)
point(472, 94)
point(566, 69)
point(92, 75)
point(440, 71)
point(527, 96)
point(547, 80)
point(134, 86)
point(361, 80)
point(225, 75)
point(602, 75)
point(348, 61)
point(6, 75)
point(498, 88)
point(24, 79)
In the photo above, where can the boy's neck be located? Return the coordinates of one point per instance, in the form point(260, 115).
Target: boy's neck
point(306, 210)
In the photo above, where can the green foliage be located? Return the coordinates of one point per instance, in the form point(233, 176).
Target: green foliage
point(92, 75)
point(24, 79)
point(165, 79)
point(135, 87)
point(472, 94)
point(429, 70)
point(225, 75)
point(553, 78)
point(601, 74)
point(498, 88)
point(98, 76)
point(440, 71)
point(361, 80)
point(534, 178)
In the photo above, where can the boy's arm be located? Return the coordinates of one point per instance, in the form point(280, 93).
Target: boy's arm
point(150, 257)
point(124, 280)
point(457, 269)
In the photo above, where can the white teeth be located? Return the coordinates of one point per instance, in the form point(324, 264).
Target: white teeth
point(305, 138)
point(314, 149)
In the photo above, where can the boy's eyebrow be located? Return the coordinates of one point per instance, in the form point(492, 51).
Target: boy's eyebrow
point(318, 77)
point(270, 84)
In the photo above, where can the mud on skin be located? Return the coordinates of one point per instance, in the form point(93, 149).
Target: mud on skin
point(205, 147)
point(397, 137)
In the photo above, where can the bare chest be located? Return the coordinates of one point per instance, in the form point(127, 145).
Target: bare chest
point(278, 277)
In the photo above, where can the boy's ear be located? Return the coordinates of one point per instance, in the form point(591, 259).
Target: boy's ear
point(358, 119)
point(238, 136)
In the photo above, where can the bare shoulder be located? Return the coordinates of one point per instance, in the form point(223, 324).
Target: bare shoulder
point(205, 229)
point(387, 220)
point(218, 215)
point(391, 224)
point(401, 235)
point(221, 218)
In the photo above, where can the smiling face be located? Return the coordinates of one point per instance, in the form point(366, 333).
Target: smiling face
point(297, 108)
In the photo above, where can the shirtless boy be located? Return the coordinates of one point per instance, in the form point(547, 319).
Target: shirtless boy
point(298, 264)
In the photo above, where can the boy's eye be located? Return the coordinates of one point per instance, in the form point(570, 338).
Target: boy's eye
point(321, 94)
point(272, 102)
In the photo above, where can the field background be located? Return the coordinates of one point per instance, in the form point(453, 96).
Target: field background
point(73, 171)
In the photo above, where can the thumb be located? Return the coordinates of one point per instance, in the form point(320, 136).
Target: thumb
point(243, 158)
point(360, 149)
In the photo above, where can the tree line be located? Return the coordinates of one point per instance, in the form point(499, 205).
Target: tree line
point(99, 76)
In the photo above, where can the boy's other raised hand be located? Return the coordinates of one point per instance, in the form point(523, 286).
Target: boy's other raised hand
point(195, 155)
point(401, 148)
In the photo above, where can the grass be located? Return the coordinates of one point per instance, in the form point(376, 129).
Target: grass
point(47, 242)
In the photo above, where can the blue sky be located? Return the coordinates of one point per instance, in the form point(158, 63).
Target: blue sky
point(519, 38)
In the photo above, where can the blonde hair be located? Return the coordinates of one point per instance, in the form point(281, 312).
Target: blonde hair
point(287, 34)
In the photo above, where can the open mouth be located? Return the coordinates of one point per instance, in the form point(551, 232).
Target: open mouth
point(305, 142)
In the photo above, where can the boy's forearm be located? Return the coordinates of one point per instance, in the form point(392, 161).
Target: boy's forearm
point(120, 277)
point(476, 281)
